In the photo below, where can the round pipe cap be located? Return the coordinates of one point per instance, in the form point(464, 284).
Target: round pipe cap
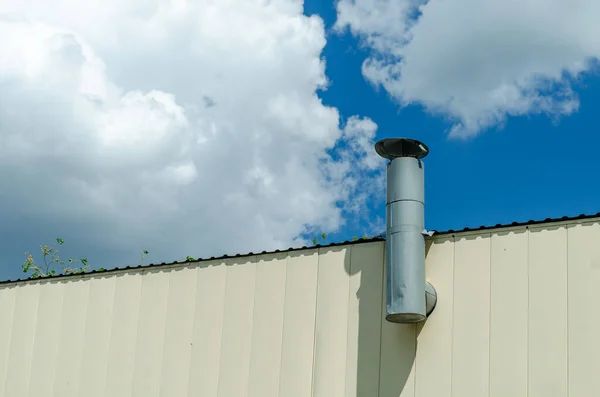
point(392, 148)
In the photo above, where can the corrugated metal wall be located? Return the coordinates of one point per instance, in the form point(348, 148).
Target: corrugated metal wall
point(517, 316)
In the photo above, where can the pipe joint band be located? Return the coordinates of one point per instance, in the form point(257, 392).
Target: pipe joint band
point(405, 228)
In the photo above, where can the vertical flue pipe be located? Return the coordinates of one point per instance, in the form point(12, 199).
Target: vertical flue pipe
point(405, 241)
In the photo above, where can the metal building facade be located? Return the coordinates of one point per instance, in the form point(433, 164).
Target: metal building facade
point(517, 315)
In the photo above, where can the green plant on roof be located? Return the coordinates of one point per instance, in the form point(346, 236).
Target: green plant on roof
point(323, 236)
point(144, 253)
point(52, 264)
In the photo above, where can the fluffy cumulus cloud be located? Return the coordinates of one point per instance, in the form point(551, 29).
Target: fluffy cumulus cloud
point(183, 127)
point(477, 62)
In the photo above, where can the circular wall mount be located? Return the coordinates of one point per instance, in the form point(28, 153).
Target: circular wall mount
point(392, 148)
point(430, 298)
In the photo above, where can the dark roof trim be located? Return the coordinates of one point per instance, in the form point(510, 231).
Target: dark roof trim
point(342, 243)
point(527, 223)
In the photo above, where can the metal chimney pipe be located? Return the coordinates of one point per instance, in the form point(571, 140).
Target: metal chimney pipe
point(408, 301)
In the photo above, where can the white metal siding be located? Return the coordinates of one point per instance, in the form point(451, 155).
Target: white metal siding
point(516, 316)
point(509, 307)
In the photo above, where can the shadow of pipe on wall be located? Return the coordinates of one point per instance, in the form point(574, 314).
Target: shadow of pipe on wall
point(394, 361)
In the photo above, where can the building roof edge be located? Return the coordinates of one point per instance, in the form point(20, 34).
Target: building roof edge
point(303, 248)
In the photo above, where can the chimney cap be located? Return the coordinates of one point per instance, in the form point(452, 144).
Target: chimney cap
point(392, 148)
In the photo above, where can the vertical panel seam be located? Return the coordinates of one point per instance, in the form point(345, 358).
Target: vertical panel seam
point(416, 344)
point(285, 287)
point(416, 360)
point(382, 284)
point(39, 287)
point(137, 327)
point(252, 329)
point(381, 317)
point(30, 360)
point(350, 252)
point(110, 331)
point(194, 323)
point(226, 262)
point(452, 317)
point(164, 331)
point(528, 305)
point(312, 381)
point(490, 320)
point(62, 314)
point(192, 311)
point(10, 336)
point(193, 328)
point(226, 281)
point(85, 331)
point(567, 305)
point(34, 330)
point(415, 327)
point(85, 328)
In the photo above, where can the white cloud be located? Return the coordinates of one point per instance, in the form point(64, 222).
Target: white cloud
point(477, 61)
point(180, 127)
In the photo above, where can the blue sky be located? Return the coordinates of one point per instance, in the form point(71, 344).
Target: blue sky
point(203, 128)
point(530, 168)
